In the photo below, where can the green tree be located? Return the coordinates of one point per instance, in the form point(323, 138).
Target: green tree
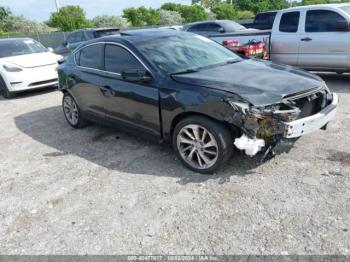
point(189, 13)
point(170, 17)
point(132, 15)
point(316, 2)
point(225, 11)
point(4, 13)
point(141, 16)
point(257, 6)
point(109, 21)
point(152, 16)
point(243, 14)
point(20, 24)
point(69, 18)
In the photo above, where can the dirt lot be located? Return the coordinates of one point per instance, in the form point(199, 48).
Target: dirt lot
point(100, 191)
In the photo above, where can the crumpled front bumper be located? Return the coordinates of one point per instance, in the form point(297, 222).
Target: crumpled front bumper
point(312, 123)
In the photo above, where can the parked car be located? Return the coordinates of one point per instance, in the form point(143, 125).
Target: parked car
point(207, 28)
point(75, 38)
point(316, 38)
point(262, 21)
point(26, 64)
point(186, 89)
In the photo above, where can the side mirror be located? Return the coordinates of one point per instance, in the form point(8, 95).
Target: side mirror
point(343, 26)
point(65, 43)
point(50, 49)
point(221, 30)
point(136, 75)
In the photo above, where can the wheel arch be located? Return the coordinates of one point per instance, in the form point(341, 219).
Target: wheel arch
point(184, 115)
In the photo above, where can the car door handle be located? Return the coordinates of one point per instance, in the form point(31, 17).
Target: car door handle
point(306, 39)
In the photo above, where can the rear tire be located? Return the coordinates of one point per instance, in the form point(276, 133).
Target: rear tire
point(72, 112)
point(4, 91)
point(203, 145)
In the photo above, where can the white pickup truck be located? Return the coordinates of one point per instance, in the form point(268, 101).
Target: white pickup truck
point(315, 38)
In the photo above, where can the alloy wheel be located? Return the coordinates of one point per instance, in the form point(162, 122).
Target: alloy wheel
point(197, 146)
point(70, 110)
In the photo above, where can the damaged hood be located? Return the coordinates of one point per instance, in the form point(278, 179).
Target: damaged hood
point(258, 82)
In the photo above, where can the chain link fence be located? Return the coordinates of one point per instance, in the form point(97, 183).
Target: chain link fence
point(48, 40)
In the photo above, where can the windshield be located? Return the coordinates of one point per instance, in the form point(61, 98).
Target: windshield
point(346, 9)
point(185, 52)
point(15, 47)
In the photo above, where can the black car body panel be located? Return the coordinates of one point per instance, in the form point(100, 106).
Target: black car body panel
point(155, 106)
point(258, 82)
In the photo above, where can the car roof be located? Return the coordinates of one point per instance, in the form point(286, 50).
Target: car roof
point(209, 21)
point(318, 6)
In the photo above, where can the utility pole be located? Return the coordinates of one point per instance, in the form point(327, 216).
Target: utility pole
point(57, 5)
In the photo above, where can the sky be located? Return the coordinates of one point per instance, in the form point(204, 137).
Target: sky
point(40, 10)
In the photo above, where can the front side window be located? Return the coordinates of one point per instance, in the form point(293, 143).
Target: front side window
point(15, 47)
point(90, 56)
point(231, 26)
point(182, 52)
point(290, 22)
point(117, 59)
point(322, 21)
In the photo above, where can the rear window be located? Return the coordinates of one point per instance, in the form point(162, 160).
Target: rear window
point(265, 18)
point(231, 26)
point(290, 22)
point(102, 33)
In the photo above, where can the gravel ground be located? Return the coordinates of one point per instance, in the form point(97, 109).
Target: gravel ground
point(101, 191)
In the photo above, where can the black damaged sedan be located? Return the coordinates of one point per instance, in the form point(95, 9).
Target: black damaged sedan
point(186, 89)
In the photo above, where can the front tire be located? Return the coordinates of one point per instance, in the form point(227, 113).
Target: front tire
point(4, 90)
point(72, 112)
point(202, 145)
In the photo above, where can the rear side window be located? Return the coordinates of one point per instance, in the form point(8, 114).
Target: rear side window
point(322, 21)
point(117, 59)
point(290, 22)
point(90, 56)
point(265, 19)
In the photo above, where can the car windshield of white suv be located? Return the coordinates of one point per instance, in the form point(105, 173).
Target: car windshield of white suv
point(20, 47)
point(346, 9)
point(185, 53)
